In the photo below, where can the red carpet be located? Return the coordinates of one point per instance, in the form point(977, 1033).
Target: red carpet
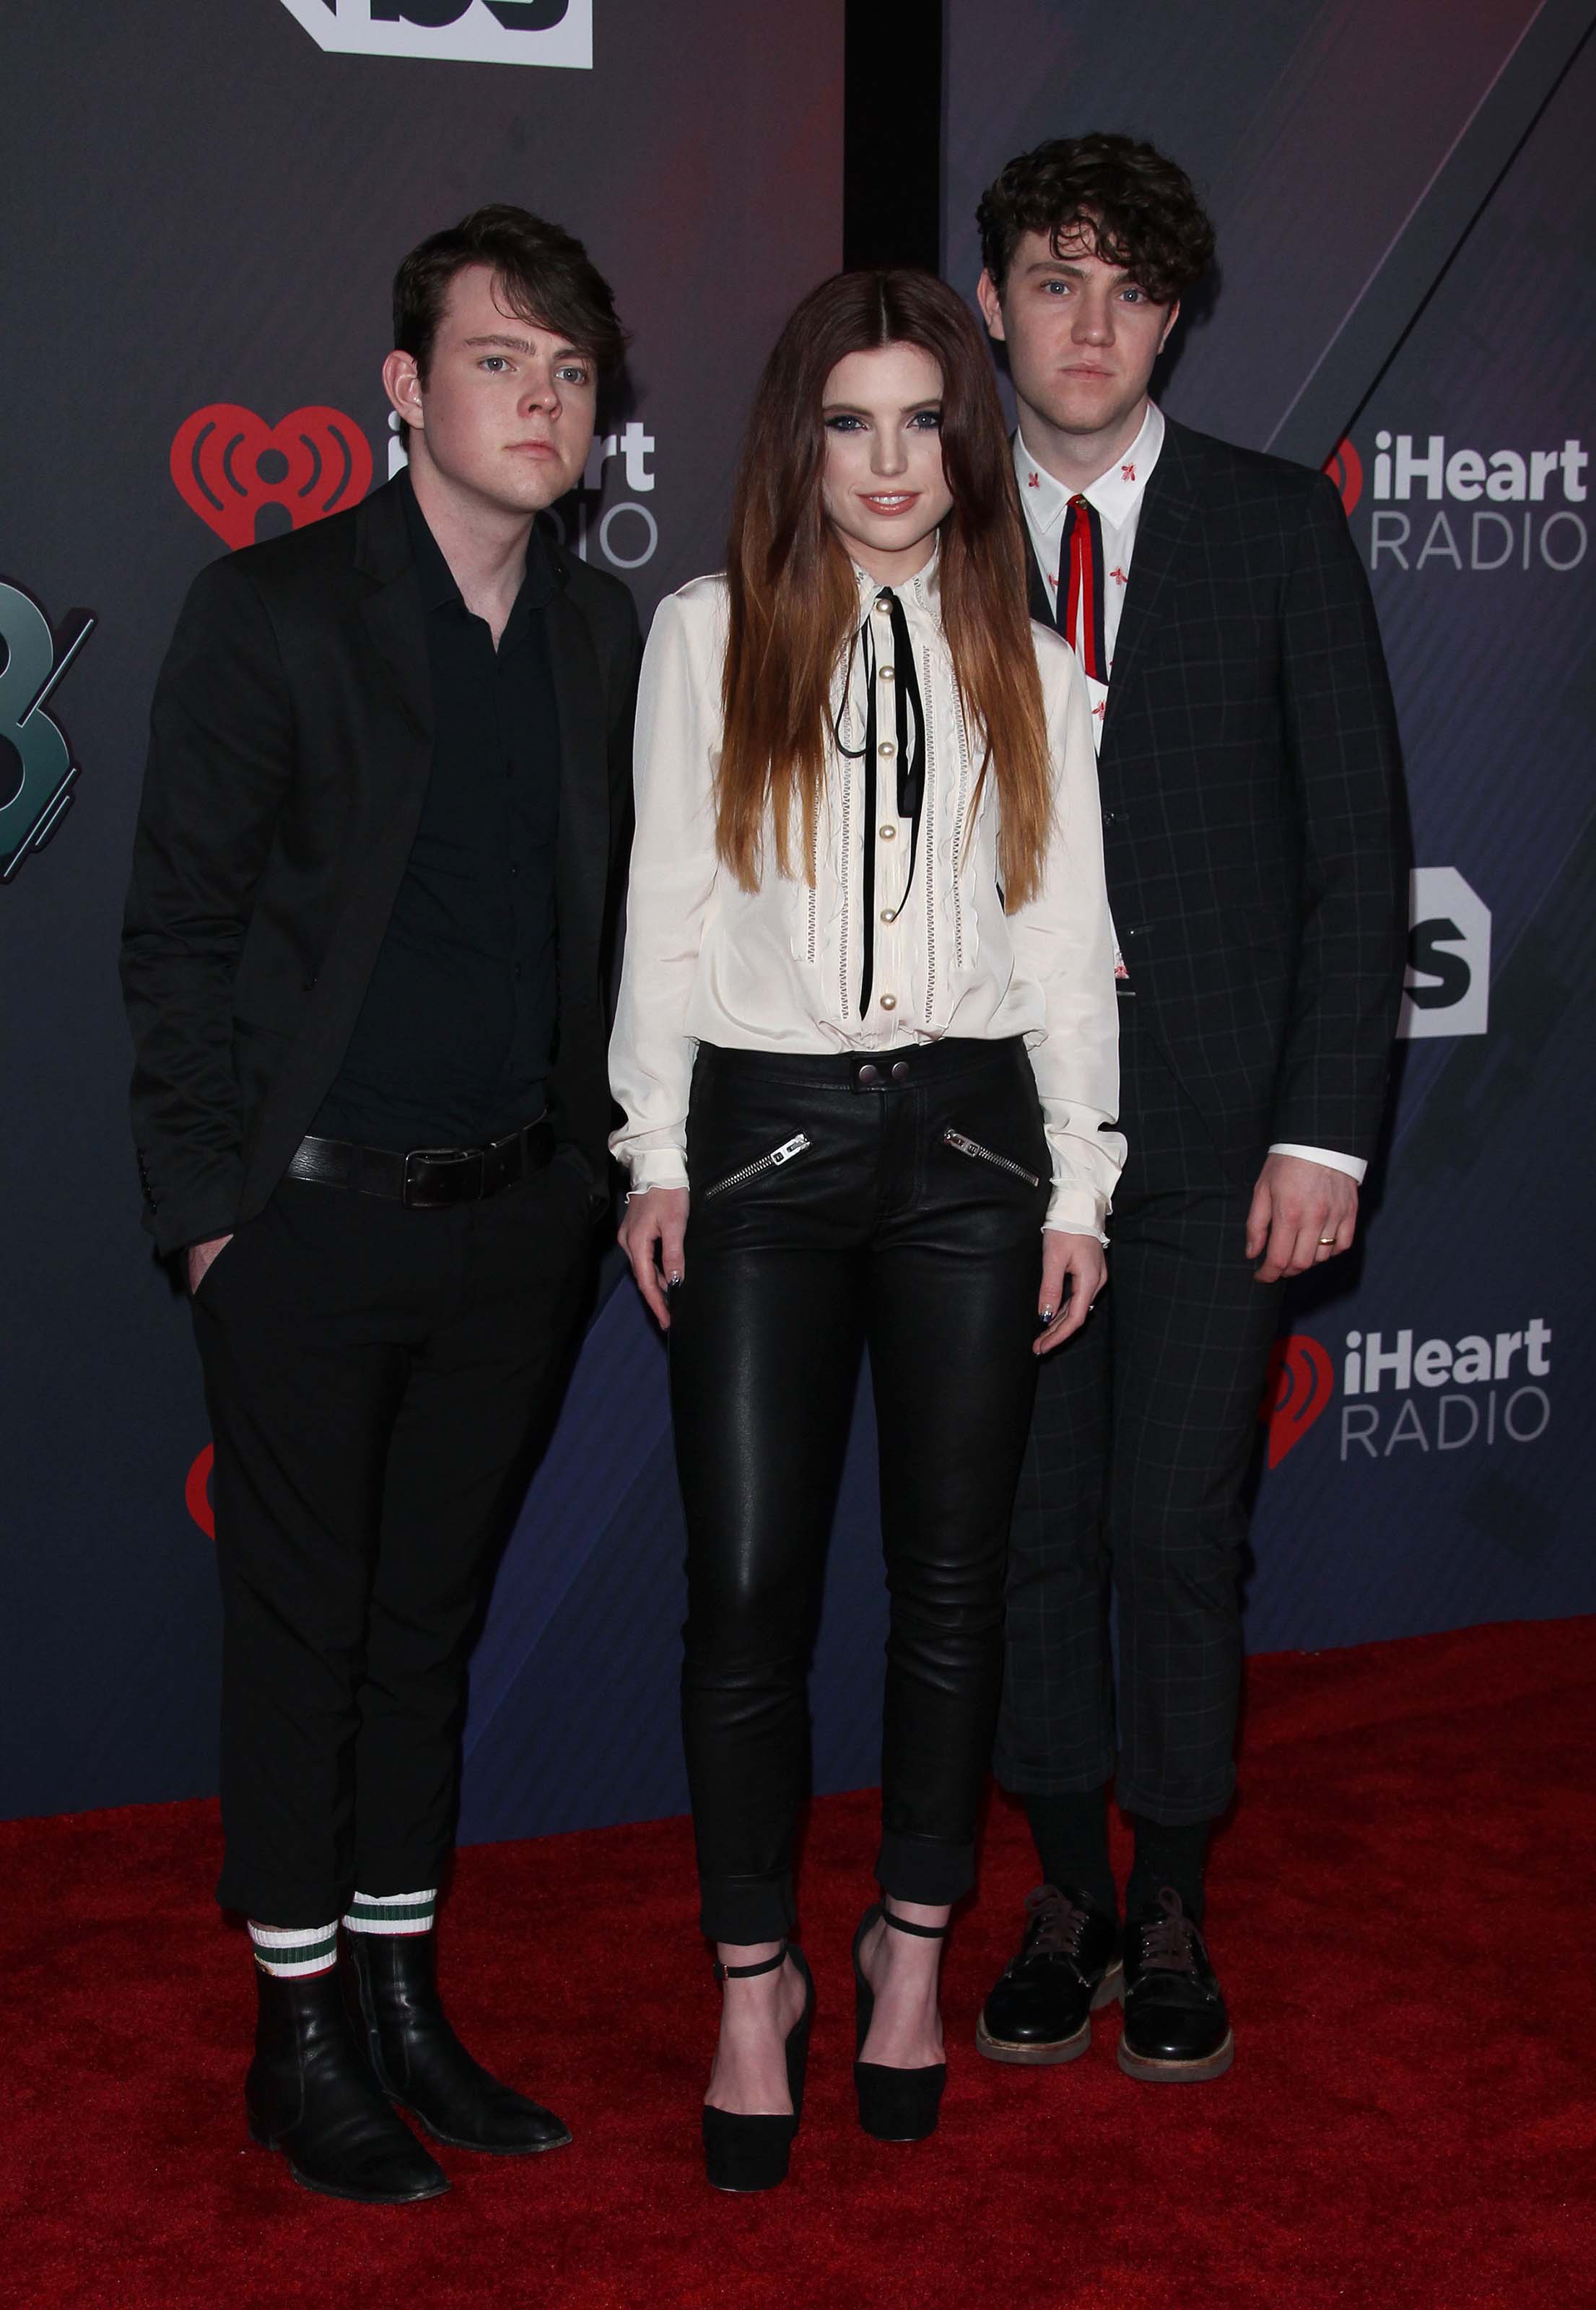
point(1399, 1911)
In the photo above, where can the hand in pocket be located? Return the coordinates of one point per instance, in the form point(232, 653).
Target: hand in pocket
point(200, 1256)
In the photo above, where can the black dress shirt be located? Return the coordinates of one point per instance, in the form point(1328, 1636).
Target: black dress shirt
point(456, 1036)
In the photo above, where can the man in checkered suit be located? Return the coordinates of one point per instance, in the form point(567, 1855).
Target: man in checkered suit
point(1255, 842)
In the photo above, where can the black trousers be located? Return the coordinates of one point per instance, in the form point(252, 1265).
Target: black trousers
point(871, 1227)
point(1145, 1424)
point(377, 1379)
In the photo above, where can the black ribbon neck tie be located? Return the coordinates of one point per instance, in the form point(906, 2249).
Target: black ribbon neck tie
point(907, 749)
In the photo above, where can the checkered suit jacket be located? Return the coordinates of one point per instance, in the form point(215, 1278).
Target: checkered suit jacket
point(1254, 823)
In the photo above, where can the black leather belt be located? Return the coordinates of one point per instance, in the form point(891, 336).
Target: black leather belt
point(428, 1178)
point(936, 1063)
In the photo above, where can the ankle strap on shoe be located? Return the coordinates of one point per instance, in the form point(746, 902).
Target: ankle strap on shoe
point(747, 1972)
point(904, 1925)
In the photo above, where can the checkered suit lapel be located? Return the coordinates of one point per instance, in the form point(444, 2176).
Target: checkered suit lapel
point(1171, 499)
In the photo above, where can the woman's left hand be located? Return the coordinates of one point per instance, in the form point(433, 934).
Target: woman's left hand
point(1074, 1272)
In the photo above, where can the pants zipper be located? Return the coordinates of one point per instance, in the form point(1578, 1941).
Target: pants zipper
point(985, 1155)
point(778, 1156)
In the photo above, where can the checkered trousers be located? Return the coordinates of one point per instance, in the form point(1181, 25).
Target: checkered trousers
point(1144, 1427)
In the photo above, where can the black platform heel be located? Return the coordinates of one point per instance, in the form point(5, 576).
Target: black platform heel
point(894, 2104)
point(744, 2152)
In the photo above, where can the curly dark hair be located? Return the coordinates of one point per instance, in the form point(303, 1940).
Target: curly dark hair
point(1132, 208)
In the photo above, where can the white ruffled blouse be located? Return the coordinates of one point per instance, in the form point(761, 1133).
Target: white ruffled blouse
point(780, 968)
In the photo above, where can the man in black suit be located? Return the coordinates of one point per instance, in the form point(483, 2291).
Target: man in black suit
point(1257, 875)
point(375, 874)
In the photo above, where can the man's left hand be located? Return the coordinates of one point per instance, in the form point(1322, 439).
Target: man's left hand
point(1302, 1214)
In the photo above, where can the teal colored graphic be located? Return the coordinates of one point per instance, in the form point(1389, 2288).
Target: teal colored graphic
point(36, 771)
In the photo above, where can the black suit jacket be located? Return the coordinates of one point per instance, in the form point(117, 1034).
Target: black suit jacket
point(1254, 827)
point(292, 739)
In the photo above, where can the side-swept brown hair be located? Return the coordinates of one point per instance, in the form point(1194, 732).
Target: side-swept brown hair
point(794, 599)
point(540, 271)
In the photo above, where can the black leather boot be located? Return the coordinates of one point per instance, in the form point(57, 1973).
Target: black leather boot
point(392, 1995)
point(310, 2095)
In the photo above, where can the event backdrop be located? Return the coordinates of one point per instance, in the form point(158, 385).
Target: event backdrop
point(1429, 1464)
point(204, 203)
point(208, 201)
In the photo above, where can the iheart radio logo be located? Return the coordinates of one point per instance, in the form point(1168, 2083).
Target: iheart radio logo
point(228, 463)
point(196, 1491)
point(1345, 468)
point(1300, 1382)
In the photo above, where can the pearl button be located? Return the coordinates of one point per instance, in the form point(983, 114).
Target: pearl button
point(887, 750)
point(888, 914)
point(888, 833)
point(885, 673)
point(888, 1002)
point(883, 609)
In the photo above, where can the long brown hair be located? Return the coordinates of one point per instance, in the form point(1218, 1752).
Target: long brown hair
point(793, 593)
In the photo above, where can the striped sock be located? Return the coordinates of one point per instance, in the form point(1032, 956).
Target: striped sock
point(392, 1912)
point(291, 1951)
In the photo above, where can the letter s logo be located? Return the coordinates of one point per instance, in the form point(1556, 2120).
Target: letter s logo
point(1444, 977)
point(1449, 957)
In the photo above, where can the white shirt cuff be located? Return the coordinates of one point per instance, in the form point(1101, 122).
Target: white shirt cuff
point(657, 1166)
point(1077, 1210)
point(1353, 1166)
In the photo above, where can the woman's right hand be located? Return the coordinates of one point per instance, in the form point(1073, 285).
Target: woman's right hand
point(652, 1236)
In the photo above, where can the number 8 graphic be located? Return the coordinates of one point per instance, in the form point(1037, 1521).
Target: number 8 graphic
point(36, 771)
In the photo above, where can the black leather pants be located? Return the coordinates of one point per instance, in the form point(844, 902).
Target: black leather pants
point(897, 1202)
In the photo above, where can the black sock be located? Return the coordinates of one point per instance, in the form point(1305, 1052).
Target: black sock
point(1168, 1856)
point(1071, 1839)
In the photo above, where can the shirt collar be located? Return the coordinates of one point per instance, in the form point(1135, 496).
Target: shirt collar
point(437, 580)
point(1114, 495)
point(921, 592)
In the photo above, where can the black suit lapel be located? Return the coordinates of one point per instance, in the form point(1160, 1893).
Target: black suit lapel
point(397, 758)
point(394, 616)
point(389, 744)
point(583, 842)
point(394, 764)
point(397, 624)
point(1167, 506)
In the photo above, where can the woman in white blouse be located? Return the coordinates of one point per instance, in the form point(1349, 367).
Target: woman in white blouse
point(866, 1035)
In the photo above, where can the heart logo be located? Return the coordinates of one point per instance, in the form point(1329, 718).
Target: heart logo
point(1300, 1383)
point(196, 1491)
point(228, 463)
point(1345, 468)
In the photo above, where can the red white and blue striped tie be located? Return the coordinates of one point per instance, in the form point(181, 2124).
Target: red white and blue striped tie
point(1080, 588)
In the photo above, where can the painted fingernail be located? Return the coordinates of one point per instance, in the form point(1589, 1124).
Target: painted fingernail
point(674, 1280)
point(1047, 1314)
